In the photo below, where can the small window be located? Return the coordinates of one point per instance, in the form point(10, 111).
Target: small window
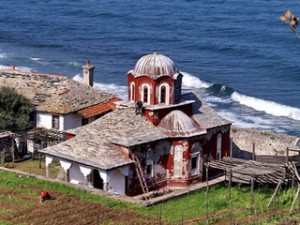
point(194, 164)
point(55, 122)
point(132, 92)
point(163, 94)
point(145, 97)
point(149, 165)
point(149, 170)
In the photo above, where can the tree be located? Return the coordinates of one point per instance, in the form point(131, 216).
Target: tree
point(16, 111)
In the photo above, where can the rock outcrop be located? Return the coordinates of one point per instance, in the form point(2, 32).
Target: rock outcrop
point(265, 143)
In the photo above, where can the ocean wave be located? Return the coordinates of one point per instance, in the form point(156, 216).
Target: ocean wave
point(266, 106)
point(5, 67)
point(24, 68)
point(215, 99)
point(75, 64)
point(189, 80)
point(248, 121)
point(121, 91)
point(35, 59)
point(3, 55)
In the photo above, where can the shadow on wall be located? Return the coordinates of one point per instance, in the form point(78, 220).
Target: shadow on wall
point(240, 153)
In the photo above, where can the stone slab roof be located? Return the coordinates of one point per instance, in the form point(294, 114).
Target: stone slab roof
point(204, 114)
point(96, 143)
point(53, 93)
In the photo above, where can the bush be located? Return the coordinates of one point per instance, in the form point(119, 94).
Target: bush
point(16, 111)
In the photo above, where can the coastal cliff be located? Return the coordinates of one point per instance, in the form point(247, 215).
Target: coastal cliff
point(265, 143)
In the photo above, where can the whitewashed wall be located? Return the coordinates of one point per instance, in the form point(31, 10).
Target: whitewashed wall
point(44, 120)
point(117, 180)
point(114, 179)
point(68, 121)
point(75, 175)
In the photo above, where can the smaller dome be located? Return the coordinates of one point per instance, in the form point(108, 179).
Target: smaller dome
point(154, 65)
point(178, 124)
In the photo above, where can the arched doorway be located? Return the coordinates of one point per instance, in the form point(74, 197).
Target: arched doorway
point(96, 180)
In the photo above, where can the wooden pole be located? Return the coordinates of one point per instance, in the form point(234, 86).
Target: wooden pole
point(231, 149)
point(13, 150)
point(275, 193)
point(295, 199)
point(40, 161)
point(229, 194)
point(253, 152)
point(206, 196)
point(287, 155)
point(252, 194)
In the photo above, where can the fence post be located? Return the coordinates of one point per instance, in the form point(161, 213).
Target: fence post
point(207, 188)
point(252, 194)
point(229, 195)
point(253, 152)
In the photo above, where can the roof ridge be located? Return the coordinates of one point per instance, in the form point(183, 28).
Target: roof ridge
point(20, 72)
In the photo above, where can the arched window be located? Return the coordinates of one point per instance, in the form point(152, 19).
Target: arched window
point(132, 92)
point(196, 162)
point(219, 147)
point(164, 93)
point(145, 94)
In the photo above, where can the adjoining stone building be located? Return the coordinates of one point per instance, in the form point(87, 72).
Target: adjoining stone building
point(61, 103)
point(158, 138)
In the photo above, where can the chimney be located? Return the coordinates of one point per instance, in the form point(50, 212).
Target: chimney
point(88, 73)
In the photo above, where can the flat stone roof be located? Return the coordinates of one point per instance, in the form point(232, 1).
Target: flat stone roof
point(53, 93)
point(97, 143)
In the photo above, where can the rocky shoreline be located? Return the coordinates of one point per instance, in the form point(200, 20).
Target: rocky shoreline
point(264, 142)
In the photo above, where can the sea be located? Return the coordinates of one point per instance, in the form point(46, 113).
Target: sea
point(237, 54)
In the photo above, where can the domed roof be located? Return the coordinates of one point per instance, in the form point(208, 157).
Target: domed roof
point(154, 65)
point(178, 124)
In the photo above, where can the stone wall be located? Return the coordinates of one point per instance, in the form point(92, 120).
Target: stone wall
point(266, 143)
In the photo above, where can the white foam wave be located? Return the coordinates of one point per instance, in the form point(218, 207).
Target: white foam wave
point(35, 59)
point(5, 67)
point(255, 122)
point(189, 80)
point(3, 55)
point(24, 68)
point(121, 91)
point(268, 107)
point(75, 64)
point(215, 99)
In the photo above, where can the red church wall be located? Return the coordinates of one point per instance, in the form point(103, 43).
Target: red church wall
point(154, 84)
point(163, 161)
point(210, 147)
point(155, 116)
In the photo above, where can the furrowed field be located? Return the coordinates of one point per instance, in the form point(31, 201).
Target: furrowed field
point(19, 201)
